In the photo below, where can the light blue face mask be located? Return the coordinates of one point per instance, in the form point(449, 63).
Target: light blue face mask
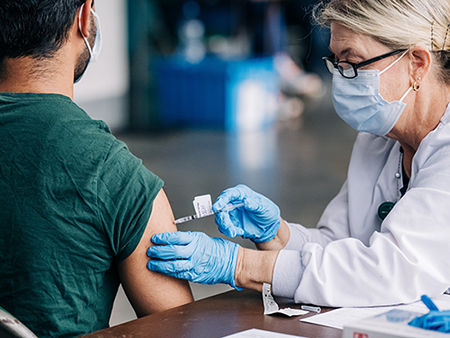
point(94, 52)
point(359, 103)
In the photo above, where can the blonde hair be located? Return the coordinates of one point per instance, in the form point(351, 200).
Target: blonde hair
point(398, 24)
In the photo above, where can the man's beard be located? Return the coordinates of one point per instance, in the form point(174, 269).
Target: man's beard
point(83, 59)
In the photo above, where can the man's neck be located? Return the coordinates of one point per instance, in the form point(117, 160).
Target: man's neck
point(28, 75)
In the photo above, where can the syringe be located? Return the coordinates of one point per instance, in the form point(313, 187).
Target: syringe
point(228, 207)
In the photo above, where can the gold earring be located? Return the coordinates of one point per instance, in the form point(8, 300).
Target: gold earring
point(415, 86)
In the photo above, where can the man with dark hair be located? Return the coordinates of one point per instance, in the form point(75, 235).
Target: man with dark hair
point(77, 209)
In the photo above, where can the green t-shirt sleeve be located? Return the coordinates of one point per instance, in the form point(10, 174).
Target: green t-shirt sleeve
point(126, 190)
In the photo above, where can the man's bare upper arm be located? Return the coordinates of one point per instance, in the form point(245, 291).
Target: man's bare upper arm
point(148, 291)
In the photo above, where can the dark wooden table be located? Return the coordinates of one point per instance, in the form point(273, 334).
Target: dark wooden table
point(217, 316)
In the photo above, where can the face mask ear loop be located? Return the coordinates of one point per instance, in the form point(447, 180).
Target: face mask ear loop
point(406, 94)
point(393, 63)
point(98, 40)
point(81, 32)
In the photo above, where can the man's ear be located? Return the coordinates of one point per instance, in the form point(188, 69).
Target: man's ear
point(83, 18)
point(420, 63)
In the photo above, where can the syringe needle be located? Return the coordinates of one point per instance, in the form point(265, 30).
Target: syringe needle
point(185, 219)
point(228, 207)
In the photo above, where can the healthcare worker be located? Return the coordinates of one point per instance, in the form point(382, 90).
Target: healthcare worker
point(384, 239)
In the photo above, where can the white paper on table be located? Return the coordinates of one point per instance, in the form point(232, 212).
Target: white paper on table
point(255, 333)
point(340, 317)
point(271, 306)
point(203, 206)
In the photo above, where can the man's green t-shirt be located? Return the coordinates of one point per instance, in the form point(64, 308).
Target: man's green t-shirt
point(73, 202)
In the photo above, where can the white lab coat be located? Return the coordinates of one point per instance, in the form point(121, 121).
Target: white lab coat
point(353, 258)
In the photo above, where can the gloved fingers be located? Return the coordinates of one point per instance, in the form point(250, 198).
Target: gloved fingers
point(252, 200)
point(237, 222)
point(167, 238)
point(262, 206)
point(256, 204)
point(175, 245)
point(174, 268)
point(226, 226)
point(232, 196)
point(434, 320)
point(213, 260)
point(170, 252)
point(163, 267)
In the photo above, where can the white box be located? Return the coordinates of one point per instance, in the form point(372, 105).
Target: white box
point(391, 324)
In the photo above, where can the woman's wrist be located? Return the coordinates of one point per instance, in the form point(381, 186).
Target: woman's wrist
point(280, 241)
point(253, 268)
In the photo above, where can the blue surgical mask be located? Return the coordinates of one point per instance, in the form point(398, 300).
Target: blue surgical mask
point(359, 103)
point(94, 52)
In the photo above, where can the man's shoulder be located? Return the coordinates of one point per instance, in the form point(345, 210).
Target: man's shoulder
point(45, 111)
point(63, 124)
point(57, 129)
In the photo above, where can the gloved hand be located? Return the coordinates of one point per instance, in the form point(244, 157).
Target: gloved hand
point(194, 256)
point(433, 320)
point(258, 220)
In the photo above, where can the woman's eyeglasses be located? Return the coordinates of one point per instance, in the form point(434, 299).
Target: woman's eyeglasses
point(349, 70)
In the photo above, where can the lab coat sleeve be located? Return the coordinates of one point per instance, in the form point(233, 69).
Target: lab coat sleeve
point(407, 258)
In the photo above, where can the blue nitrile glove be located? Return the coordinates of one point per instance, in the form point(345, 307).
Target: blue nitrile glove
point(258, 220)
point(434, 320)
point(194, 256)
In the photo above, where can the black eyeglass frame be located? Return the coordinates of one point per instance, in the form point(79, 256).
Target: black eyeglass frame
point(331, 59)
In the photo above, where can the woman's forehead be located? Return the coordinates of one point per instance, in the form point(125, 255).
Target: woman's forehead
point(344, 41)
